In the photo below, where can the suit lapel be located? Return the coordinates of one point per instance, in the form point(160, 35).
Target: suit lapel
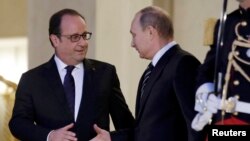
point(155, 75)
point(54, 81)
point(87, 105)
point(88, 97)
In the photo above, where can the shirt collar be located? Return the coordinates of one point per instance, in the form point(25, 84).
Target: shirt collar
point(61, 65)
point(162, 51)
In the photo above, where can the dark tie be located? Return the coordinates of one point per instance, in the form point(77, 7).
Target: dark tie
point(146, 77)
point(69, 87)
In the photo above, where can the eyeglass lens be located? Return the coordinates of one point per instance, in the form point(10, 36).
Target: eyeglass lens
point(77, 37)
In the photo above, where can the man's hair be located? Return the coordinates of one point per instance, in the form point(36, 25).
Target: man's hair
point(55, 20)
point(157, 18)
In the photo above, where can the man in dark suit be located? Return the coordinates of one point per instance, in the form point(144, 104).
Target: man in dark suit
point(43, 110)
point(165, 98)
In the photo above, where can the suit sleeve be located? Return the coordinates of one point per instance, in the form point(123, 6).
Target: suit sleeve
point(121, 116)
point(22, 123)
point(184, 85)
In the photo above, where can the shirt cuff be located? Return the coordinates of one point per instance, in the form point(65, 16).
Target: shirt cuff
point(49, 135)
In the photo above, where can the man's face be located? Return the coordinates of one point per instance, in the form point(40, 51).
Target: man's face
point(69, 52)
point(140, 39)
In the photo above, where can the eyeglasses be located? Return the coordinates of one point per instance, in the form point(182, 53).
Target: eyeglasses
point(77, 37)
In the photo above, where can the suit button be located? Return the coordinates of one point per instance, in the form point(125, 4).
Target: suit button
point(236, 82)
point(237, 53)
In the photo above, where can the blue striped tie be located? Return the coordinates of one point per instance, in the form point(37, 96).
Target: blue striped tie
point(146, 77)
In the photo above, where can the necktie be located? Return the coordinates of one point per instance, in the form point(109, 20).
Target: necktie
point(69, 87)
point(146, 77)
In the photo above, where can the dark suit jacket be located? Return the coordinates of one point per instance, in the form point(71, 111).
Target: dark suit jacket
point(41, 105)
point(166, 109)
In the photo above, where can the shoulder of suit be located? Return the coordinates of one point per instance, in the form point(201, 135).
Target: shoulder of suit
point(96, 63)
point(236, 12)
point(182, 54)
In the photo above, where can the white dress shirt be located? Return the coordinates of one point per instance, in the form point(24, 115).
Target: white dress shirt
point(78, 74)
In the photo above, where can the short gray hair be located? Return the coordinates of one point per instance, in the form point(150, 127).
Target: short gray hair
point(157, 18)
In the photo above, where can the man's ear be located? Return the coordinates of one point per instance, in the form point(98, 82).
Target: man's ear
point(151, 31)
point(54, 39)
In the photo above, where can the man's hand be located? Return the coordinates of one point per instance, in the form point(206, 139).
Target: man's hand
point(102, 135)
point(63, 134)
